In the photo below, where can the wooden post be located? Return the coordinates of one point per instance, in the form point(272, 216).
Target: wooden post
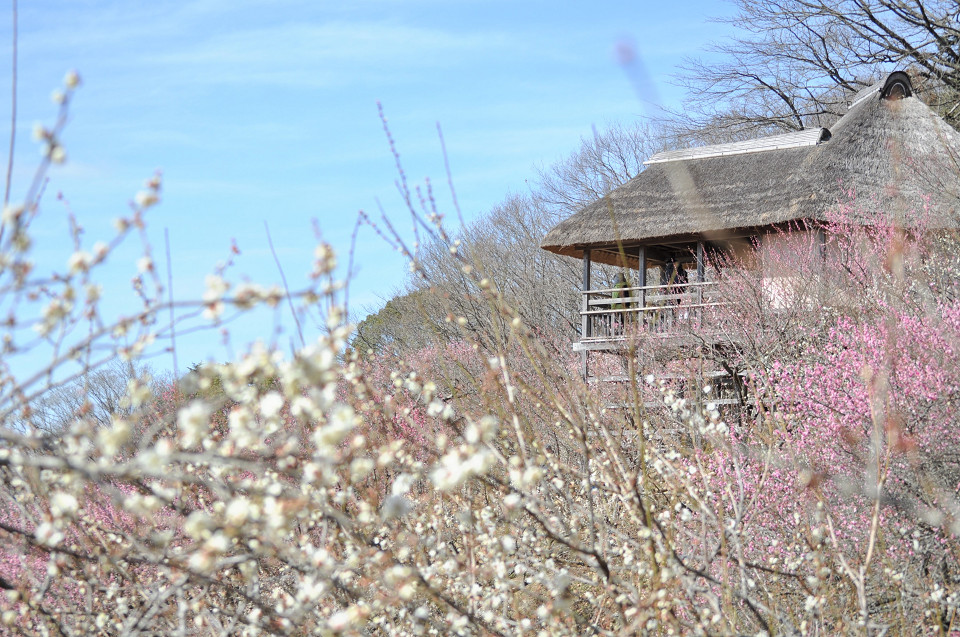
point(701, 265)
point(701, 275)
point(585, 326)
point(642, 278)
point(701, 270)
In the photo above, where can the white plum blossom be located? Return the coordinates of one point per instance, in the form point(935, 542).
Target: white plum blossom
point(198, 525)
point(213, 310)
point(146, 198)
point(56, 153)
point(453, 469)
point(79, 262)
point(360, 468)
point(239, 510)
point(154, 461)
point(217, 543)
point(193, 422)
point(340, 422)
point(93, 292)
point(63, 504)
point(326, 258)
point(402, 484)
point(435, 408)
point(526, 477)
point(71, 80)
point(114, 436)
point(271, 404)
point(243, 428)
point(216, 287)
point(202, 561)
point(12, 212)
point(248, 294)
point(48, 535)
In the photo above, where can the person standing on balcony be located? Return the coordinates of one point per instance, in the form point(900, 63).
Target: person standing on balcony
point(673, 273)
point(673, 278)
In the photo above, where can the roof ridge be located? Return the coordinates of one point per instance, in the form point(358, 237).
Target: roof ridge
point(796, 139)
point(864, 93)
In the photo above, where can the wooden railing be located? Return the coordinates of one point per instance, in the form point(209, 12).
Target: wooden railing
point(612, 313)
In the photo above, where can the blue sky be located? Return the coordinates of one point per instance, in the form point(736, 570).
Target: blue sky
point(266, 111)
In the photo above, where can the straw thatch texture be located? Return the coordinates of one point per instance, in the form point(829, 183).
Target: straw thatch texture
point(891, 155)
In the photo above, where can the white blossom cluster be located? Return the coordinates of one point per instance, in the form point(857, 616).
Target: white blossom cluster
point(468, 493)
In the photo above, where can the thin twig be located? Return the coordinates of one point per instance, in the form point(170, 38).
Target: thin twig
point(353, 250)
point(173, 333)
point(446, 166)
point(13, 111)
point(286, 288)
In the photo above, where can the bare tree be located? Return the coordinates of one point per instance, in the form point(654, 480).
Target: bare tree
point(98, 396)
point(503, 247)
point(797, 63)
point(608, 159)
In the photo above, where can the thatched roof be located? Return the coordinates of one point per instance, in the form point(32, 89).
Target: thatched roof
point(886, 154)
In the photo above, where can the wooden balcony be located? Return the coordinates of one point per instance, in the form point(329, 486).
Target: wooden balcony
point(682, 318)
point(611, 317)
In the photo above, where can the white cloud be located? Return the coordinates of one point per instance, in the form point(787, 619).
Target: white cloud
point(329, 54)
point(215, 43)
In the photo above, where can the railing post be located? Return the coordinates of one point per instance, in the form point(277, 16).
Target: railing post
point(642, 279)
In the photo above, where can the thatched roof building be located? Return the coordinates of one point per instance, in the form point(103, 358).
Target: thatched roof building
point(890, 152)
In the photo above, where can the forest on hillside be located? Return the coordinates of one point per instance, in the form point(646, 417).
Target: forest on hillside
point(442, 468)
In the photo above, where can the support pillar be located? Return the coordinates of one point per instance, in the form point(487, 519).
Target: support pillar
point(585, 323)
point(701, 270)
point(700, 314)
point(822, 247)
point(642, 265)
point(701, 262)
